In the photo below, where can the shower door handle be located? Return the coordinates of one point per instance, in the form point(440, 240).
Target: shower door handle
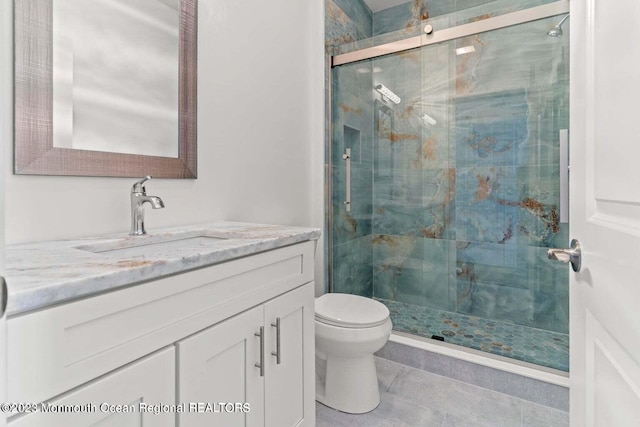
point(347, 158)
point(564, 175)
point(572, 255)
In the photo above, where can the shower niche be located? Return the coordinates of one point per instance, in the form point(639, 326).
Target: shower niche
point(352, 142)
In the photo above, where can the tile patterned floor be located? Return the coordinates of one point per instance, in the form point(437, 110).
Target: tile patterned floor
point(415, 398)
point(532, 345)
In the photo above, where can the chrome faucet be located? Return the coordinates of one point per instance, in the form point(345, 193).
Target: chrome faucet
point(138, 199)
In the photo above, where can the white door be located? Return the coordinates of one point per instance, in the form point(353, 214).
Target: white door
point(219, 365)
point(6, 138)
point(605, 212)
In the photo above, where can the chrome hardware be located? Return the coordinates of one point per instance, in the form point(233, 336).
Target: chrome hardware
point(138, 199)
point(4, 297)
point(428, 29)
point(261, 364)
point(138, 187)
point(277, 352)
point(347, 157)
point(573, 255)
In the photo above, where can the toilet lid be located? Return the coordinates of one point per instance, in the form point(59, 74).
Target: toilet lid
point(350, 311)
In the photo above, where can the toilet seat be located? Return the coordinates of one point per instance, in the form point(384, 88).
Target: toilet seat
point(350, 311)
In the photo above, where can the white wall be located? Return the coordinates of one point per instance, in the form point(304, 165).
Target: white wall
point(260, 124)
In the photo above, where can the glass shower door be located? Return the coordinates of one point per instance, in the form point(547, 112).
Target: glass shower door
point(460, 190)
point(352, 129)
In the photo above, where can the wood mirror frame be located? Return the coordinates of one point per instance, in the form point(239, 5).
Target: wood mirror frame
point(34, 150)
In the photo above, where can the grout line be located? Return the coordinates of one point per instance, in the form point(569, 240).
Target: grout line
point(395, 377)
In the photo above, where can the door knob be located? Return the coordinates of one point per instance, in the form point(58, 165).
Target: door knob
point(4, 296)
point(572, 255)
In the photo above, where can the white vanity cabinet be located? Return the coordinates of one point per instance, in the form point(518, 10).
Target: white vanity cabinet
point(237, 361)
point(192, 333)
point(113, 400)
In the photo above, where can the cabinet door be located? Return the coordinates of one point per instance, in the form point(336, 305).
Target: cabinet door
point(217, 366)
point(117, 398)
point(289, 385)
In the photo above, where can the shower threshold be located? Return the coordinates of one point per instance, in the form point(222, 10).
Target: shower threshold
point(545, 348)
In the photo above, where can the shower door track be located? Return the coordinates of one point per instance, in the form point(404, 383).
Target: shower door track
point(439, 36)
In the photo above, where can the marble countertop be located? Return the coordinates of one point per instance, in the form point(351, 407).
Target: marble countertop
point(46, 273)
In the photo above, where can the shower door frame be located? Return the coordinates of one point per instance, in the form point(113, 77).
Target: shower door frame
point(447, 34)
point(437, 36)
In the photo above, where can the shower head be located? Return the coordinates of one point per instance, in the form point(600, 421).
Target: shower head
point(557, 30)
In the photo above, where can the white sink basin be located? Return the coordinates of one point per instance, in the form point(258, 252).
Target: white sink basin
point(141, 246)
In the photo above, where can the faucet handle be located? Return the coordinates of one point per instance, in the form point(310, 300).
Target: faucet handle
point(138, 187)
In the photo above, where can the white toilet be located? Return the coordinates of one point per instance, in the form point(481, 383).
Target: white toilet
point(349, 329)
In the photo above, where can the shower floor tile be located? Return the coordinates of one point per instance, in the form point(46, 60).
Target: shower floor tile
point(545, 348)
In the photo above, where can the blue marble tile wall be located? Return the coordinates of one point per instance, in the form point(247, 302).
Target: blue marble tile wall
point(466, 177)
point(401, 17)
point(407, 16)
point(348, 21)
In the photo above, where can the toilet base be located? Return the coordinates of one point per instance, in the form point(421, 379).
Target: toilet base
point(348, 384)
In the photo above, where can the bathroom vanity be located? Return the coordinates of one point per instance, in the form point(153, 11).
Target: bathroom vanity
point(210, 325)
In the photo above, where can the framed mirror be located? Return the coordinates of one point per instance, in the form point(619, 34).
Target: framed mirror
point(106, 88)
